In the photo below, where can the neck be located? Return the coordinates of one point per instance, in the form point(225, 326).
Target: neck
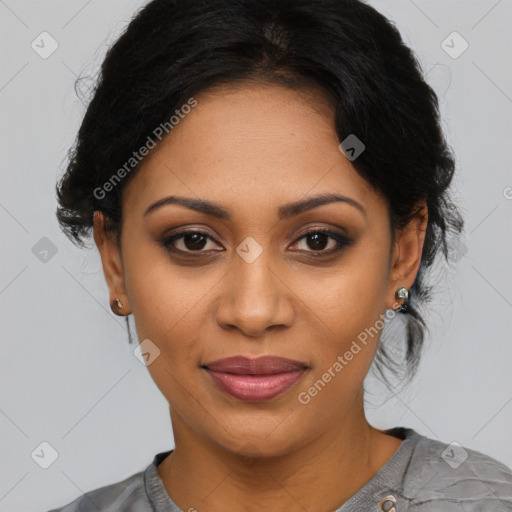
point(320, 475)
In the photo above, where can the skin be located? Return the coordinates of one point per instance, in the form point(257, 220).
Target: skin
point(253, 148)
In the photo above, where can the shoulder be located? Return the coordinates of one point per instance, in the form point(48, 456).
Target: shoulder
point(127, 495)
point(456, 478)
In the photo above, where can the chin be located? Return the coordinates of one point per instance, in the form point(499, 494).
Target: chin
point(259, 444)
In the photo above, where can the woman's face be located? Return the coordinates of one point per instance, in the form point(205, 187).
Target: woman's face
point(252, 283)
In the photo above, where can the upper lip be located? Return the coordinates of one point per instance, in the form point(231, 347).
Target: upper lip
point(264, 365)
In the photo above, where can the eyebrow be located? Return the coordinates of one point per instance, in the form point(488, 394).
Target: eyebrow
point(284, 212)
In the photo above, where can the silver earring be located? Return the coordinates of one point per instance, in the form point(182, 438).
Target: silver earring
point(403, 295)
point(119, 303)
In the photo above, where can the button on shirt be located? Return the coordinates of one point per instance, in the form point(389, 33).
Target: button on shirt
point(423, 475)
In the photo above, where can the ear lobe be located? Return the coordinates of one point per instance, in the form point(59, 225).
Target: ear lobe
point(111, 263)
point(407, 251)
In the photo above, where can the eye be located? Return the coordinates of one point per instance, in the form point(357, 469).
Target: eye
point(320, 239)
point(188, 242)
point(193, 241)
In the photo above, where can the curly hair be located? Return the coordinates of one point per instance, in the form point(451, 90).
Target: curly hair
point(353, 55)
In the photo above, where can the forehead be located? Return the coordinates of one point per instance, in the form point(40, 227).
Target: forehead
point(252, 146)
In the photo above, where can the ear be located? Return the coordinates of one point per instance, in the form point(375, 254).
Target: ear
point(406, 255)
point(112, 265)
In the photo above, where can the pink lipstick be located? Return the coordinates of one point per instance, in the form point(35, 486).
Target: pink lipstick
point(255, 380)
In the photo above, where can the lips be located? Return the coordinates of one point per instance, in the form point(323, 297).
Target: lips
point(255, 380)
point(265, 365)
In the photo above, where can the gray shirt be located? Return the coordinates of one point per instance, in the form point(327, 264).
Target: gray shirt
point(422, 475)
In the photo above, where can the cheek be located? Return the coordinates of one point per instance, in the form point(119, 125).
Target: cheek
point(349, 307)
point(353, 293)
point(171, 314)
point(343, 357)
point(162, 294)
point(169, 309)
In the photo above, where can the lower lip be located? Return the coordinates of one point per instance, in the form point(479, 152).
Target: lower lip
point(255, 388)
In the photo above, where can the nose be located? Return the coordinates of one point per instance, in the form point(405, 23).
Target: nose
point(255, 298)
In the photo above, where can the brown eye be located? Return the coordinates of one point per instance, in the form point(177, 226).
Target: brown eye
point(187, 241)
point(323, 242)
point(194, 241)
point(317, 241)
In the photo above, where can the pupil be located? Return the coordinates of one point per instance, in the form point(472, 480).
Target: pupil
point(319, 241)
point(197, 241)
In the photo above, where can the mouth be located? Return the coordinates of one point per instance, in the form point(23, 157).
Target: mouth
point(255, 380)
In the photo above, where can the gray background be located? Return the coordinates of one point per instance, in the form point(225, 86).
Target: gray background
point(67, 373)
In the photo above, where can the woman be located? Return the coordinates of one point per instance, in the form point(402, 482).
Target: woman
point(267, 184)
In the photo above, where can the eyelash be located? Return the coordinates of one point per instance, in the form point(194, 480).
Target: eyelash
point(342, 242)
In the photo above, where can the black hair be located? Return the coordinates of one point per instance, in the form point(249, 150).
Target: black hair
point(174, 49)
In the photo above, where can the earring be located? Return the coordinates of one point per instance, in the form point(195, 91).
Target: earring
point(119, 303)
point(403, 295)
